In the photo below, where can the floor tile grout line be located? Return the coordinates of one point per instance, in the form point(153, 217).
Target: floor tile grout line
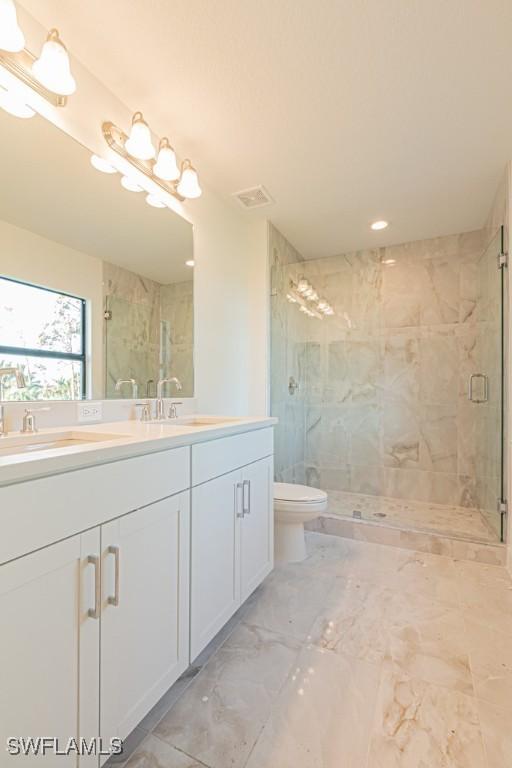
point(181, 751)
point(273, 706)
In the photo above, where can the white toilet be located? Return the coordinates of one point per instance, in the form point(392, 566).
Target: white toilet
point(294, 505)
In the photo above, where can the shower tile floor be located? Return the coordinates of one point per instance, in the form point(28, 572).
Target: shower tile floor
point(363, 656)
point(457, 522)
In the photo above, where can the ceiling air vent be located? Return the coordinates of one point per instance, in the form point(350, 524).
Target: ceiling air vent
point(253, 198)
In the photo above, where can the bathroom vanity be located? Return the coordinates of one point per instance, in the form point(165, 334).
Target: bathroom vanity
point(120, 559)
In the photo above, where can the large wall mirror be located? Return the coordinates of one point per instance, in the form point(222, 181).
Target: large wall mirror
point(96, 295)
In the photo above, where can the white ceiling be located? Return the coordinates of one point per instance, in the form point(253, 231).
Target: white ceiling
point(49, 187)
point(346, 110)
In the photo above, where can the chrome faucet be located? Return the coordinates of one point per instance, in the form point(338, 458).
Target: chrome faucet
point(160, 400)
point(20, 383)
point(135, 389)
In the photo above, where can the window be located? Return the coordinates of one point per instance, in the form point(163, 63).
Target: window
point(42, 332)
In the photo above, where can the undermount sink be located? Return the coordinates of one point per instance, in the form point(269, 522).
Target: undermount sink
point(10, 446)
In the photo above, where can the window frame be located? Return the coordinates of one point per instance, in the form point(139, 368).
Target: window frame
point(50, 354)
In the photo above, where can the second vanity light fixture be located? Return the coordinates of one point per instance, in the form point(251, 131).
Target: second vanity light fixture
point(309, 302)
point(161, 166)
point(49, 75)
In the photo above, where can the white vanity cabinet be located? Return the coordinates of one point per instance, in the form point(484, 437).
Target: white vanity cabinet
point(113, 577)
point(49, 646)
point(232, 529)
point(144, 614)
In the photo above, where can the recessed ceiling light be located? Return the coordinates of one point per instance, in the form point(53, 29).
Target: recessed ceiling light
point(379, 225)
point(389, 262)
point(190, 263)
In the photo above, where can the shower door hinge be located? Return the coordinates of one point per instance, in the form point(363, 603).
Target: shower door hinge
point(107, 314)
point(502, 260)
point(502, 506)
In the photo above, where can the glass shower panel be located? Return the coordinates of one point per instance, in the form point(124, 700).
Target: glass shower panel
point(485, 385)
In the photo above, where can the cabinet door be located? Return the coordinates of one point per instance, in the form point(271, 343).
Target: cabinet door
point(49, 646)
point(257, 528)
point(215, 557)
point(145, 619)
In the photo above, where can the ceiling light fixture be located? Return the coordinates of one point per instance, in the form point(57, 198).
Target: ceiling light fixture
point(139, 151)
point(102, 165)
point(48, 75)
point(166, 167)
point(378, 225)
point(14, 105)
point(12, 38)
point(190, 263)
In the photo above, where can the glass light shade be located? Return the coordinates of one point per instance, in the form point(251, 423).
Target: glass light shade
point(52, 67)
point(130, 184)
point(303, 285)
point(11, 36)
point(14, 105)
point(139, 143)
point(189, 183)
point(166, 167)
point(322, 304)
point(101, 165)
point(155, 201)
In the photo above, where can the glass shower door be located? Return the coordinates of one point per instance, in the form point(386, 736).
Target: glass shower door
point(486, 386)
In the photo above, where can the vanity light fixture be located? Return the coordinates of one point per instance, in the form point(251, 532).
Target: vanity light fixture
point(308, 300)
point(102, 165)
point(52, 67)
point(188, 185)
point(378, 225)
point(166, 167)
point(139, 151)
point(139, 144)
point(12, 38)
point(48, 75)
point(155, 202)
point(130, 184)
point(14, 105)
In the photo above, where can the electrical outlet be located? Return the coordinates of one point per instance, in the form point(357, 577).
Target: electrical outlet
point(90, 412)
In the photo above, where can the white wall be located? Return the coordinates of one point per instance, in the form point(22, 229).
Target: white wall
point(230, 252)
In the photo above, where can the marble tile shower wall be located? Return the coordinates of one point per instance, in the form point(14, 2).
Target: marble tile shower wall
point(151, 333)
point(382, 406)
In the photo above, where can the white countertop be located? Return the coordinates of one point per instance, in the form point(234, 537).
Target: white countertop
point(135, 439)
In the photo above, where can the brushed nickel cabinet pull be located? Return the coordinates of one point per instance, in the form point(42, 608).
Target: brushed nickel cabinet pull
point(94, 613)
point(247, 507)
point(115, 599)
point(238, 487)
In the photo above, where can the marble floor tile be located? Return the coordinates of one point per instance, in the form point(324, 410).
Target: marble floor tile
point(155, 753)
point(485, 592)
point(323, 716)
point(434, 651)
point(361, 618)
point(288, 601)
point(496, 728)
point(420, 725)
point(220, 715)
point(490, 654)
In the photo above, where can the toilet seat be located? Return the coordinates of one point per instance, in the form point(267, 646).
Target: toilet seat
point(289, 497)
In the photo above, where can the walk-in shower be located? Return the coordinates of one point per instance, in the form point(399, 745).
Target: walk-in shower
point(394, 403)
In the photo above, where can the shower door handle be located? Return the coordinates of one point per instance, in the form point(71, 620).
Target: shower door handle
point(485, 380)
